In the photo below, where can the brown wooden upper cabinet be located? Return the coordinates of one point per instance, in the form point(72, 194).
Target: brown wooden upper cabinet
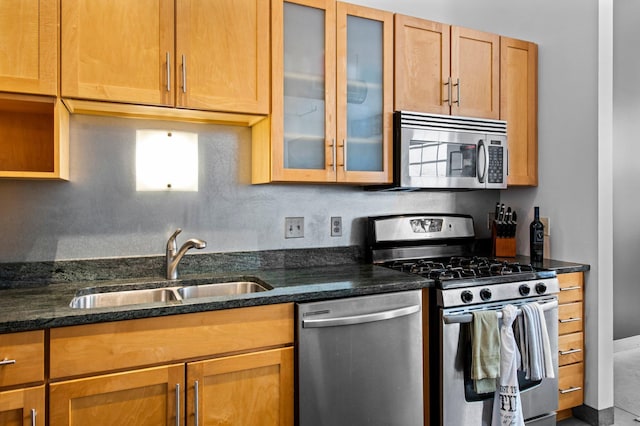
point(197, 54)
point(332, 95)
point(519, 107)
point(446, 69)
point(29, 46)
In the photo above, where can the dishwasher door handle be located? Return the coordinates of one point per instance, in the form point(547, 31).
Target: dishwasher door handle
point(361, 319)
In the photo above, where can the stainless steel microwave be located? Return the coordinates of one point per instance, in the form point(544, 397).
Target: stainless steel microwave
point(449, 152)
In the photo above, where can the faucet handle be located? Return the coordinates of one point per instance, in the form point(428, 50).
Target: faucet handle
point(171, 242)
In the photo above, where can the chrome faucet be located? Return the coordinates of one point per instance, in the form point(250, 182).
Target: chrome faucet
point(174, 255)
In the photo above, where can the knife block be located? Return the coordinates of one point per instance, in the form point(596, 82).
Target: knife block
point(502, 246)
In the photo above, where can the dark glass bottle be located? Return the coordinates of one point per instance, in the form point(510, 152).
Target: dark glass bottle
point(536, 237)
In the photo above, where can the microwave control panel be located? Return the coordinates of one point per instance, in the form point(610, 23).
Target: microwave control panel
point(496, 163)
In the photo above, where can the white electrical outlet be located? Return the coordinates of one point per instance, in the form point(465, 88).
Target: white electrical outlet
point(294, 227)
point(547, 226)
point(336, 226)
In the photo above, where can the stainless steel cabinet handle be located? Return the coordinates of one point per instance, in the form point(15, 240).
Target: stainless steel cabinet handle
point(361, 319)
point(7, 362)
point(570, 351)
point(168, 72)
point(33, 417)
point(333, 154)
point(458, 84)
point(184, 74)
point(575, 287)
point(197, 402)
point(570, 320)
point(344, 154)
point(177, 404)
point(448, 84)
point(573, 389)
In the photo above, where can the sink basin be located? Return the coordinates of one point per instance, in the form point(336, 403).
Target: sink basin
point(122, 298)
point(221, 289)
point(181, 291)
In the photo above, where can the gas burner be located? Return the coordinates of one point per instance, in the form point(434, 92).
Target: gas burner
point(459, 267)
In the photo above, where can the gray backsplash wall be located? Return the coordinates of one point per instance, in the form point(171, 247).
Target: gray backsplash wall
point(99, 214)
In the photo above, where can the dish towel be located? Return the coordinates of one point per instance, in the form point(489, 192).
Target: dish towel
point(537, 363)
point(485, 351)
point(507, 407)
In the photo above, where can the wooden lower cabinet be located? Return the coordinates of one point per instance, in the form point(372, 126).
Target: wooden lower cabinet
point(230, 367)
point(248, 389)
point(570, 343)
point(140, 397)
point(23, 407)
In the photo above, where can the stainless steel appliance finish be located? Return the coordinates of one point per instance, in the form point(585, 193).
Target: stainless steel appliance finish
point(449, 152)
point(458, 404)
point(360, 361)
point(440, 247)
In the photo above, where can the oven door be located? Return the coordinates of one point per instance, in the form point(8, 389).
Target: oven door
point(458, 403)
point(442, 159)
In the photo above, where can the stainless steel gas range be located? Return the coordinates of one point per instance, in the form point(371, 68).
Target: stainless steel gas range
point(441, 247)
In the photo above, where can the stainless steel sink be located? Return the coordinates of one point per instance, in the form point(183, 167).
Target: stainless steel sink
point(123, 298)
point(221, 289)
point(183, 291)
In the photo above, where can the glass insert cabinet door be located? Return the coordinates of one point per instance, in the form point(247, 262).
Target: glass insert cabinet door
point(336, 82)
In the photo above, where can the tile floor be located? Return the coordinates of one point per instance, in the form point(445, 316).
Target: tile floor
point(626, 376)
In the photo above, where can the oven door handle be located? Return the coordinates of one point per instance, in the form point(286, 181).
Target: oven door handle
point(467, 318)
point(361, 319)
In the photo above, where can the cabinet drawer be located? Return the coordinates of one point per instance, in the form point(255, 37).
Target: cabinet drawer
point(21, 358)
point(570, 385)
point(571, 287)
point(570, 318)
point(87, 349)
point(570, 348)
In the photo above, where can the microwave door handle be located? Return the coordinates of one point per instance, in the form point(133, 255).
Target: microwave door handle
point(482, 165)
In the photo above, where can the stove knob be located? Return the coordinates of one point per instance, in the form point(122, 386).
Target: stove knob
point(485, 294)
point(524, 290)
point(466, 296)
point(541, 288)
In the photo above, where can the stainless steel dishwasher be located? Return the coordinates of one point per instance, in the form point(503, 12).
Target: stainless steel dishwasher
point(360, 361)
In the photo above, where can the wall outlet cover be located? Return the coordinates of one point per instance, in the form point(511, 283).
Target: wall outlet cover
point(336, 226)
point(294, 227)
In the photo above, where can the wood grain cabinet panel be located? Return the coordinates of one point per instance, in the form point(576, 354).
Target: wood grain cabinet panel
point(570, 318)
point(571, 345)
point(222, 54)
point(89, 349)
point(570, 384)
point(35, 142)
point(422, 65)
point(194, 54)
point(475, 62)
point(22, 407)
point(446, 69)
point(229, 367)
point(29, 46)
point(148, 397)
point(519, 107)
point(118, 50)
point(248, 389)
point(570, 348)
point(571, 287)
point(21, 358)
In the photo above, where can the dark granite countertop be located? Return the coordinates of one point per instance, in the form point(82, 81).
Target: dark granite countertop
point(559, 266)
point(47, 306)
point(36, 295)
